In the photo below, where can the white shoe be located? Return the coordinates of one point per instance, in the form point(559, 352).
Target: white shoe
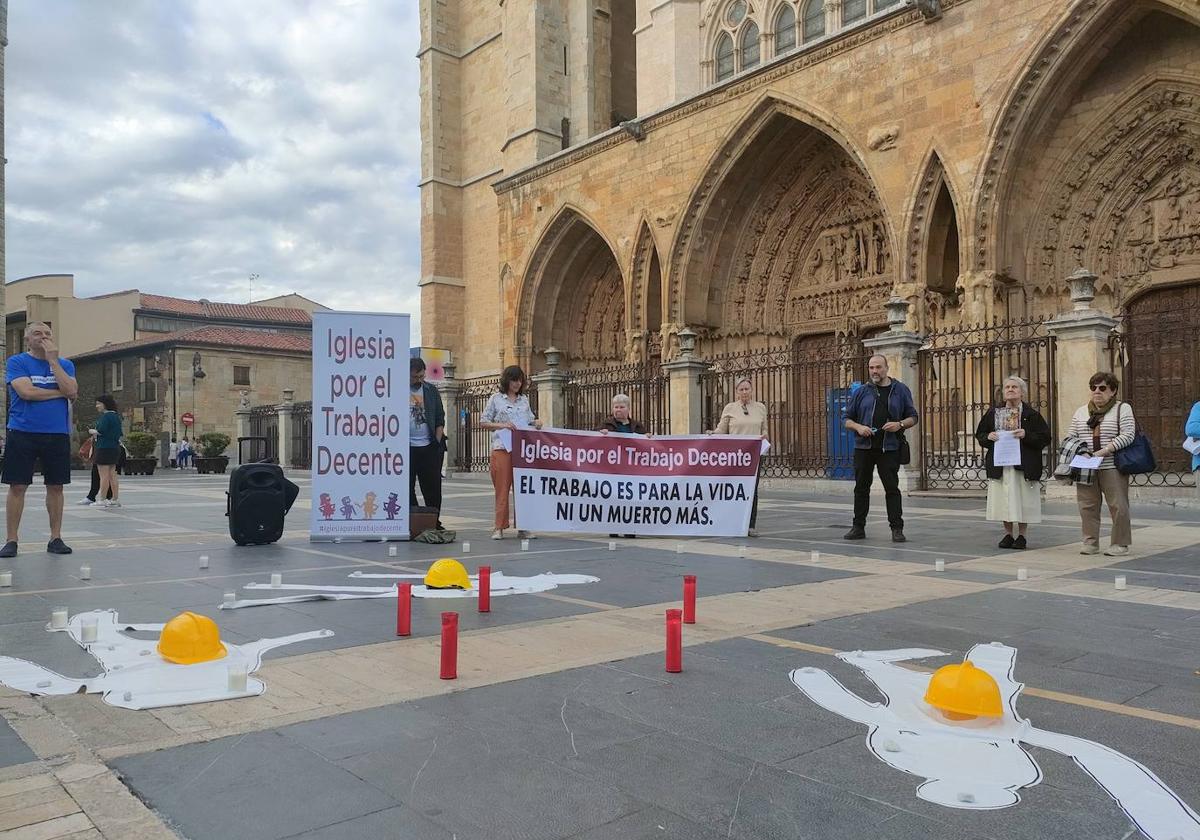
point(526, 535)
point(114, 502)
point(497, 534)
point(85, 501)
point(1088, 548)
point(753, 532)
point(1116, 551)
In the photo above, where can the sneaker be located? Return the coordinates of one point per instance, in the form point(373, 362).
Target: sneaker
point(1116, 551)
point(898, 535)
point(1007, 542)
point(57, 546)
point(112, 503)
point(9, 550)
point(86, 501)
point(497, 534)
point(855, 533)
point(1019, 543)
point(526, 535)
point(1088, 548)
point(753, 532)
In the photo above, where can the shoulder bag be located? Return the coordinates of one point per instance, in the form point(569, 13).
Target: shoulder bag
point(1138, 457)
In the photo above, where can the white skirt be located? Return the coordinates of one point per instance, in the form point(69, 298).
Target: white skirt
point(1013, 499)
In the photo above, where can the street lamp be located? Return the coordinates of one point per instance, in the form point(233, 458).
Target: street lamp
point(197, 373)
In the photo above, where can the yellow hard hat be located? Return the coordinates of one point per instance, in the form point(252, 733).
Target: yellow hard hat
point(189, 638)
point(447, 573)
point(963, 692)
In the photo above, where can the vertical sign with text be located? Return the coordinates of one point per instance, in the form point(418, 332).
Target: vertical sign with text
point(360, 423)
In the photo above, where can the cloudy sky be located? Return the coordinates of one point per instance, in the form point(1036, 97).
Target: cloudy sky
point(179, 146)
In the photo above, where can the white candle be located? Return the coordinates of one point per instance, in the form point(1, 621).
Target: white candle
point(391, 551)
point(276, 579)
point(612, 545)
point(1022, 574)
point(679, 548)
point(1119, 582)
point(203, 561)
point(89, 626)
point(524, 545)
point(85, 572)
point(58, 618)
point(466, 548)
point(5, 579)
point(230, 598)
point(237, 677)
point(939, 565)
point(816, 557)
point(741, 551)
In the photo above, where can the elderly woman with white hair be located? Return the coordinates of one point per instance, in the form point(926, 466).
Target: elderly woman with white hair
point(745, 416)
point(1014, 492)
point(621, 422)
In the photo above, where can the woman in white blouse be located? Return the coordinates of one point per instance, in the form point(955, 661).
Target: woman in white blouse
point(508, 409)
point(745, 416)
point(1106, 425)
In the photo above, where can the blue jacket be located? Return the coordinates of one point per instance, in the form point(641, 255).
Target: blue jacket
point(1192, 429)
point(861, 409)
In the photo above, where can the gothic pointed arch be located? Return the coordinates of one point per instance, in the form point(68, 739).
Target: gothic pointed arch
point(504, 295)
point(1050, 79)
point(646, 297)
point(784, 235)
point(572, 296)
point(933, 246)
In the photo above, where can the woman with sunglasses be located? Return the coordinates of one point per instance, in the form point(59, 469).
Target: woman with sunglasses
point(745, 416)
point(1105, 425)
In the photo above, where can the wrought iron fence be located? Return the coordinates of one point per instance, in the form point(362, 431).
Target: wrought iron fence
point(301, 455)
point(804, 388)
point(962, 373)
point(264, 422)
point(588, 396)
point(1155, 353)
point(472, 444)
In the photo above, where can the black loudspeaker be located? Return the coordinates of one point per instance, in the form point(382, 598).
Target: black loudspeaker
point(257, 501)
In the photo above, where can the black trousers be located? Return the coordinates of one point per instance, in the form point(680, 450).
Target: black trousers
point(425, 466)
point(866, 461)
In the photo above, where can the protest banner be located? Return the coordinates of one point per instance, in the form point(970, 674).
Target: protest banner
point(360, 421)
point(686, 485)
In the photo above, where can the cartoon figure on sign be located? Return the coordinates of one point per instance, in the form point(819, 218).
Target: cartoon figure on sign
point(188, 664)
point(392, 506)
point(369, 507)
point(348, 508)
point(327, 508)
point(960, 731)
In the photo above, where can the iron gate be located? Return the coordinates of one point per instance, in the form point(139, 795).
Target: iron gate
point(962, 373)
point(588, 395)
point(264, 422)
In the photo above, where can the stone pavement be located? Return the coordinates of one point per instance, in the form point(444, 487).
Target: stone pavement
point(562, 722)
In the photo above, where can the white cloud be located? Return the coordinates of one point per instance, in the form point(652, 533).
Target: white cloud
point(178, 146)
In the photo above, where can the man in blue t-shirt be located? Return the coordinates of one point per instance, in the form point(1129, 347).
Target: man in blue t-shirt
point(41, 387)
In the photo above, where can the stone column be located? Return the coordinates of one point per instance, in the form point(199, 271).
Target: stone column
point(551, 385)
point(243, 416)
point(449, 389)
point(683, 387)
point(899, 346)
point(1081, 348)
point(833, 18)
point(283, 412)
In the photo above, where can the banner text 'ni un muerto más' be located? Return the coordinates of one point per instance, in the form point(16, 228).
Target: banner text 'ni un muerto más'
point(629, 484)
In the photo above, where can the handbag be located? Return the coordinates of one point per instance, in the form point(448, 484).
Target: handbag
point(905, 450)
point(1138, 457)
point(86, 450)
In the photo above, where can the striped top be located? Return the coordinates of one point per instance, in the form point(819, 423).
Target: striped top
point(1119, 436)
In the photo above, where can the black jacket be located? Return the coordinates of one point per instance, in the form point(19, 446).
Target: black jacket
point(1037, 438)
point(610, 423)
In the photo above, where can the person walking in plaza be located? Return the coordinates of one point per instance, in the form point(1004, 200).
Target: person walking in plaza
point(41, 387)
point(185, 453)
point(1104, 425)
point(94, 488)
point(1014, 494)
point(107, 440)
point(621, 422)
point(1192, 430)
point(508, 409)
point(173, 452)
point(878, 412)
point(426, 438)
point(745, 416)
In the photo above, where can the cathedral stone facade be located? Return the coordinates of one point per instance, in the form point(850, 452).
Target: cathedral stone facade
point(600, 174)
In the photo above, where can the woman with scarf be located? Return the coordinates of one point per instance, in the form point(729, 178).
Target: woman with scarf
point(1105, 425)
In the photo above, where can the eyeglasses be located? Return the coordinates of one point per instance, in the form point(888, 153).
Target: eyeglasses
point(745, 411)
point(1098, 387)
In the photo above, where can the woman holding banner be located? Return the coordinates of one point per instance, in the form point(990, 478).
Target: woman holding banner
point(508, 409)
point(745, 416)
point(621, 422)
